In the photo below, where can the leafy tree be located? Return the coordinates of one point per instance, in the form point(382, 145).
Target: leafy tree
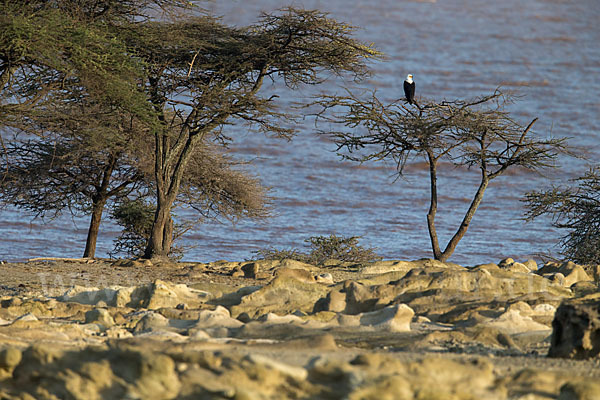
point(135, 217)
point(184, 77)
point(46, 176)
point(477, 133)
point(68, 78)
point(213, 186)
point(575, 209)
point(53, 50)
point(89, 162)
point(210, 75)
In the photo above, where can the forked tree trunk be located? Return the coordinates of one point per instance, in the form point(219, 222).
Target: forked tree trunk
point(168, 172)
point(438, 254)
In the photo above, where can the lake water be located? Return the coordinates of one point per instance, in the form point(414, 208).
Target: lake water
point(548, 50)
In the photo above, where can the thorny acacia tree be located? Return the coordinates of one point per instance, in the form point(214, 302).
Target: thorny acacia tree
point(52, 49)
point(68, 79)
point(208, 75)
point(65, 79)
point(214, 186)
point(475, 133)
point(70, 170)
point(87, 157)
point(576, 209)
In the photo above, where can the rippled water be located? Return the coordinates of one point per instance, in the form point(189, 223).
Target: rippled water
point(546, 49)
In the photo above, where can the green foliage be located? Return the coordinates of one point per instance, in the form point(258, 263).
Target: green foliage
point(576, 210)
point(179, 77)
point(323, 248)
point(339, 248)
point(51, 53)
point(135, 217)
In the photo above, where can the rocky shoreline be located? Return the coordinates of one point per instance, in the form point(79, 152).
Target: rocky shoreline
point(94, 329)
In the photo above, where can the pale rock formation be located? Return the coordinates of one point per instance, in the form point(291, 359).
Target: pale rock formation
point(512, 321)
point(26, 317)
point(100, 316)
point(571, 272)
point(96, 374)
point(300, 274)
point(396, 318)
point(151, 321)
point(284, 294)
point(220, 317)
point(511, 265)
point(531, 264)
point(325, 278)
point(544, 310)
point(272, 318)
point(155, 295)
point(382, 267)
point(521, 307)
point(297, 373)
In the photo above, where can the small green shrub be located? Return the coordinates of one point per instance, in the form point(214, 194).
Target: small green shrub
point(135, 217)
point(323, 248)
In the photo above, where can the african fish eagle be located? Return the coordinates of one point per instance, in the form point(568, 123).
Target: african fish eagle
point(409, 89)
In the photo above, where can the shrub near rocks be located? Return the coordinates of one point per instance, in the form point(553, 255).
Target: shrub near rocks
point(325, 251)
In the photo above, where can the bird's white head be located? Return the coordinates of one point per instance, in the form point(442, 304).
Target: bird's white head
point(409, 78)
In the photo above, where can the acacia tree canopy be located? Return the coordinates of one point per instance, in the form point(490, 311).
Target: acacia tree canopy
point(200, 75)
point(69, 77)
point(476, 133)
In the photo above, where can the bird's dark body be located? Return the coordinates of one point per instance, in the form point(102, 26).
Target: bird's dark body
point(409, 91)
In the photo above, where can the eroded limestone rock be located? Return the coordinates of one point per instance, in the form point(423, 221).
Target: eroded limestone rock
point(152, 296)
point(48, 372)
point(568, 273)
point(284, 294)
point(512, 321)
point(100, 316)
point(394, 318)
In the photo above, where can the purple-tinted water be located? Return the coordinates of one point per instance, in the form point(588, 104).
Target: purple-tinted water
point(547, 49)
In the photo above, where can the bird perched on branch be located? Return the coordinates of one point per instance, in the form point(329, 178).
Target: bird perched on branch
point(409, 89)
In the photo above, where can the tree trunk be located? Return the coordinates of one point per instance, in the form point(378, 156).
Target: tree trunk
point(435, 246)
point(92, 237)
point(168, 173)
point(464, 226)
point(161, 236)
point(98, 202)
